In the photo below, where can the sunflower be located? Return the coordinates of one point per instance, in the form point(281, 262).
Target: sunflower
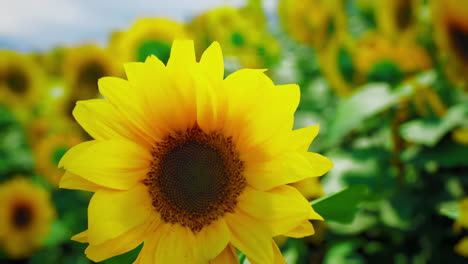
point(253, 9)
point(148, 36)
point(20, 79)
point(48, 152)
point(25, 217)
point(83, 66)
point(240, 36)
point(337, 65)
point(312, 28)
point(396, 17)
point(451, 36)
point(378, 58)
point(192, 164)
point(53, 60)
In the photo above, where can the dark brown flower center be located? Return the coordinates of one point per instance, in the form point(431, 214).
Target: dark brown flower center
point(87, 80)
point(458, 36)
point(196, 178)
point(17, 81)
point(22, 216)
point(404, 14)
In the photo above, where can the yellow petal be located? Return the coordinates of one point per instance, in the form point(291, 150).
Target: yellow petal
point(212, 239)
point(251, 237)
point(102, 121)
point(155, 83)
point(320, 164)
point(75, 151)
point(138, 260)
point(176, 245)
point(227, 256)
point(273, 115)
point(279, 259)
point(246, 81)
point(146, 255)
point(303, 137)
point(117, 246)
point(182, 54)
point(75, 182)
point(208, 107)
point(304, 229)
point(281, 209)
point(212, 63)
point(116, 164)
point(112, 213)
point(128, 101)
point(81, 237)
point(286, 168)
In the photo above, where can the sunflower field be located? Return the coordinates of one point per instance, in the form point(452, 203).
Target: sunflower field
point(191, 141)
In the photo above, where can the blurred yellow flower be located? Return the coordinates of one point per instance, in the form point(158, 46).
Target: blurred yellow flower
point(337, 65)
point(52, 61)
point(451, 36)
point(49, 150)
point(239, 36)
point(462, 247)
point(253, 9)
point(148, 36)
point(26, 214)
point(396, 18)
point(401, 57)
point(192, 164)
point(83, 66)
point(312, 22)
point(20, 80)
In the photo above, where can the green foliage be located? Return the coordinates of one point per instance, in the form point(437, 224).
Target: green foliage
point(385, 71)
point(160, 49)
point(342, 206)
point(429, 131)
point(369, 101)
point(450, 209)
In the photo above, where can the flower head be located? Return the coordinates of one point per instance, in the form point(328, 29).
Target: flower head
point(148, 36)
point(451, 35)
point(192, 164)
point(26, 214)
point(20, 79)
point(239, 34)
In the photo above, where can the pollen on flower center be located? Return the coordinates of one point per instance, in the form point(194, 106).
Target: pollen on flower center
point(195, 178)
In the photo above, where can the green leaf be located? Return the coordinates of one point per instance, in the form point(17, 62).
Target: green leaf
point(369, 101)
point(429, 131)
point(448, 154)
point(342, 206)
point(59, 233)
point(345, 252)
point(449, 209)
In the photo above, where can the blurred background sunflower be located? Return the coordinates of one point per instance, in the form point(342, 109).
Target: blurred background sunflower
point(385, 79)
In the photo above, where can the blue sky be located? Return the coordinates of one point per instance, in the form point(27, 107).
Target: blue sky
point(27, 25)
